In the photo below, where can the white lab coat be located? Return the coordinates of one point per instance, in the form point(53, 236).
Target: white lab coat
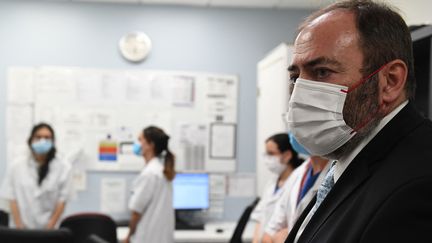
point(152, 197)
point(264, 209)
point(286, 209)
point(36, 203)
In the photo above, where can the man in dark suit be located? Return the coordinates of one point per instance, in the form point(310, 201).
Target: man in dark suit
point(353, 78)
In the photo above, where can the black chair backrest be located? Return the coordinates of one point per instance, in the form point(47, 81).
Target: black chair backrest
point(95, 239)
point(10, 235)
point(86, 224)
point(4, 218)
point(241, 225)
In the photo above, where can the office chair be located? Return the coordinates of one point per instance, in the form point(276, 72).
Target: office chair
point(11, 235)
point(4, 218)
point(95, 239)
point(86, 227)
point(241, 225)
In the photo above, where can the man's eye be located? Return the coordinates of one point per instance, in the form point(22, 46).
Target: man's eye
point(293, 78)
point(322, 73)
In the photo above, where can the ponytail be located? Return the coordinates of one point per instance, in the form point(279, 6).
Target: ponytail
point(169, 166)
point(295, 161)
point(160, 140)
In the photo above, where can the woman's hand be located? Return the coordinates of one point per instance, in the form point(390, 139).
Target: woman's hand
point(16, 216)
point(127, 240)
point(267, 238)
point(19, 225)
point(50, 225)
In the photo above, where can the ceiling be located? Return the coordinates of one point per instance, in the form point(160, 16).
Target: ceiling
point(274, 4)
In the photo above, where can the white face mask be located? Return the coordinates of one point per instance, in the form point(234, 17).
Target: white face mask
point(274, 164)
point(315, 116)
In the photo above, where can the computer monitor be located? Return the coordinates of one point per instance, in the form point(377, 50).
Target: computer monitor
point(191, 191)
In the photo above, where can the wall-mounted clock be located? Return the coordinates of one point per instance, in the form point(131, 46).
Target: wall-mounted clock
point(135, 46)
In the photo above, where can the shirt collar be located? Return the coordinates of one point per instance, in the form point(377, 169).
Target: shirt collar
point(154, 164)
point(345, 161)
point(32, 163)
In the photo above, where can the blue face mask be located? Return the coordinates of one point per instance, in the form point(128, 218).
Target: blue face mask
point(137, 149)
point(42, 146)
point(296, 146)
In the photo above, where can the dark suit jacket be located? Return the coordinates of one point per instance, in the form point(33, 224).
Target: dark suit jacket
point(385, 194)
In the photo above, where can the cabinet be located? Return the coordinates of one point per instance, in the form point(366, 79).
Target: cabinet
point(272, 102)
point(422, 41)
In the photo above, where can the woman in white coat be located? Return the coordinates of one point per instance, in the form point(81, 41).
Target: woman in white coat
point(301, 187)
point(38, 184)
point(151, 203)
point(281, 159)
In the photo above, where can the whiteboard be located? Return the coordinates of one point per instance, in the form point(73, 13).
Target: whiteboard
point(98, 113)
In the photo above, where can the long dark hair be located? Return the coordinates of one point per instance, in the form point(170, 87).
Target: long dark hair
point(282, 141)
point(160, 139)
point(43, 169)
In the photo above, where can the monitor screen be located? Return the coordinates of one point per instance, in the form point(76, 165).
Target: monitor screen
point(191, 191)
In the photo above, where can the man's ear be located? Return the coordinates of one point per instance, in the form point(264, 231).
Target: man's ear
point(392, 80)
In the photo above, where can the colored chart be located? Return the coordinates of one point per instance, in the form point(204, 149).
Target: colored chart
point(108, 150)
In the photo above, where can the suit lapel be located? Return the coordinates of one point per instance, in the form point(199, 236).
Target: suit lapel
point(355, 175)
point(359, 169)
point(298, 223)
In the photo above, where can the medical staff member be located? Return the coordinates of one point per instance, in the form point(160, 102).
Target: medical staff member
point(38, 184)
point(301, 188)
point(151, 203)
point(281, 159)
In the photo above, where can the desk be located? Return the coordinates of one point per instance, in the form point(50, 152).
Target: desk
point(208, 235)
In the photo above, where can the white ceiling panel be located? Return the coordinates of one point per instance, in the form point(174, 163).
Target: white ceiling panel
point(108, 1)
point(310, 4)
point(244, 3)
point(177, 2)
point(281, 4)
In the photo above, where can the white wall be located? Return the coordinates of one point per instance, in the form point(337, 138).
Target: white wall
point(414, 11)
point(35, 33)
point(272, 102)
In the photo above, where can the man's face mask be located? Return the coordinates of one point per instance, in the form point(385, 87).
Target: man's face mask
point(315, 115)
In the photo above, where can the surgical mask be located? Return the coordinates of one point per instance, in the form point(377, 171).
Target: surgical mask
point(274, 164)
point(315, 115)
point(296, 146)
point(42, 146)
point(137, 149)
